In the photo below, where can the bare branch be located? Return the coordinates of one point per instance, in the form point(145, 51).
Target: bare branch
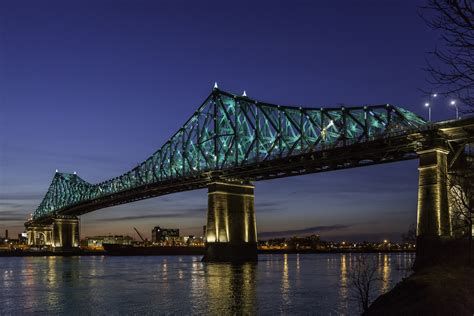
point(362, 278)
point(451, 69)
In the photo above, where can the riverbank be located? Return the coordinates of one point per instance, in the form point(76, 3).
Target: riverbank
point(47, 253)
point(309, 251)
point(436, 290)
point(183, 252)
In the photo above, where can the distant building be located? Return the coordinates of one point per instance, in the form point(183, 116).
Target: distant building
point(23, 238)
point(306, 242)
point(159, 235)
point(187, 240)
point(98, 241)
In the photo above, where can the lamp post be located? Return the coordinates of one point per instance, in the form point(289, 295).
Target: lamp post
point(453, 103)
point(428, 105)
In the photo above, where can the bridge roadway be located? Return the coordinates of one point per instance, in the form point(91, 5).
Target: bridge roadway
point(393, 134)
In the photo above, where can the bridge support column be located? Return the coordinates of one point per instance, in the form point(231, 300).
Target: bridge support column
point(39, 235)
point(433, 207)
point(231, 231)
point(434, 220)
point(65, 232)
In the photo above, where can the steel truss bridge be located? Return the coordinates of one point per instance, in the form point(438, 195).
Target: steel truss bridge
point(236, 137)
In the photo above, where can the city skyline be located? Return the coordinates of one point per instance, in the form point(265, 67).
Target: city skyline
point(102, 109)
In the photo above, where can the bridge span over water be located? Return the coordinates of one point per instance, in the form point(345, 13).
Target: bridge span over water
point(232, 141)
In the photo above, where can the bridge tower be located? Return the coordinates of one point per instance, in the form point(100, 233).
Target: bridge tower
point(231, 231)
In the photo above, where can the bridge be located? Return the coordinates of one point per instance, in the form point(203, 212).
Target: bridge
point(232, 141)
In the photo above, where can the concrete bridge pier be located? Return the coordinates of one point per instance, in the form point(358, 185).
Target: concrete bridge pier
point(61, 233)
point(65, 232)
point(433, 218)
point(231, 231)
point(39, 235)
point(433, 207)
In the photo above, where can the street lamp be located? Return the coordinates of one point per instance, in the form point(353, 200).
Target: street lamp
point(453, 103)
point(429, 111)
point(429, 104)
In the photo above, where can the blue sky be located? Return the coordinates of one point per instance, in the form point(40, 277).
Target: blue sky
point(97, 86)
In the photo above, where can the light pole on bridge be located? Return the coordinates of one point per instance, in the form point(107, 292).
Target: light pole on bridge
point(453, 103)
point(430, 104)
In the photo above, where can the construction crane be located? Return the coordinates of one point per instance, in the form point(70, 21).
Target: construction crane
point(139, 235)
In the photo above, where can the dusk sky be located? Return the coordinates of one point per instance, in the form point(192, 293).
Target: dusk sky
point(98, 86)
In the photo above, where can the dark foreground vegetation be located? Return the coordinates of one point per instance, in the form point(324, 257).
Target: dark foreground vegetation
point(435, 290)
point(442, 283)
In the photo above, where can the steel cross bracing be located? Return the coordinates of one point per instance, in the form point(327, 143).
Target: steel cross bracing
point(229, 133)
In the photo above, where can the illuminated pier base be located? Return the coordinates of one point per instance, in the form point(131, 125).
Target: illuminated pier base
point(39, 235)
point(62, 233)
point(433, 222)
point(231, 232)
point(66, 232)
point(433, 208)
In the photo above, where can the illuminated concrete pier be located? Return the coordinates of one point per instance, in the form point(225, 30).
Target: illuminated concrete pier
point(231, 232)
point(433, 207)
point(61, 233)
point(39, 235)
point(66, 232)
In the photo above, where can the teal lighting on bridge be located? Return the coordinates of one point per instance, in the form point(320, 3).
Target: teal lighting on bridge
point(230, 131)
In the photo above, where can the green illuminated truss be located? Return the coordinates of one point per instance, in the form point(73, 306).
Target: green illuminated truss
point(230, 131)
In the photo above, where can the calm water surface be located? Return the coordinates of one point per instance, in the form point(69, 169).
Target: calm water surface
point(278, 284)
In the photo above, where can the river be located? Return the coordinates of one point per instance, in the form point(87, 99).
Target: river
point(315, 284)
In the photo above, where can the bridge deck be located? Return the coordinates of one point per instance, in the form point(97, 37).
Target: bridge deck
point(238, 138)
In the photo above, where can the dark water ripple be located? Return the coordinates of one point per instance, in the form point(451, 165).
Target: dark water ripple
point(313, 284)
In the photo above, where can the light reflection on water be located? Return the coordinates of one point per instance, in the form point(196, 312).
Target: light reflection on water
point(305, 283)
point(343, 280)
point(385, 266)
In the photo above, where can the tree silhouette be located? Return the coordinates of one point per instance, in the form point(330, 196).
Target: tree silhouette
point(461, 196)
point(410, 236)
point(363, 277)
point(451, 68)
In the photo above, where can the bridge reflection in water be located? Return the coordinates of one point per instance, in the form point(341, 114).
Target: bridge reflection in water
point(279, 284)
point(232, 288)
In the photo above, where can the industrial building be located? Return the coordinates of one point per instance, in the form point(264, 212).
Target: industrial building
point(161, 235)
point(98, 241)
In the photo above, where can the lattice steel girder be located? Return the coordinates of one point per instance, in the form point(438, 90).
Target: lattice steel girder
point(230, 132)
